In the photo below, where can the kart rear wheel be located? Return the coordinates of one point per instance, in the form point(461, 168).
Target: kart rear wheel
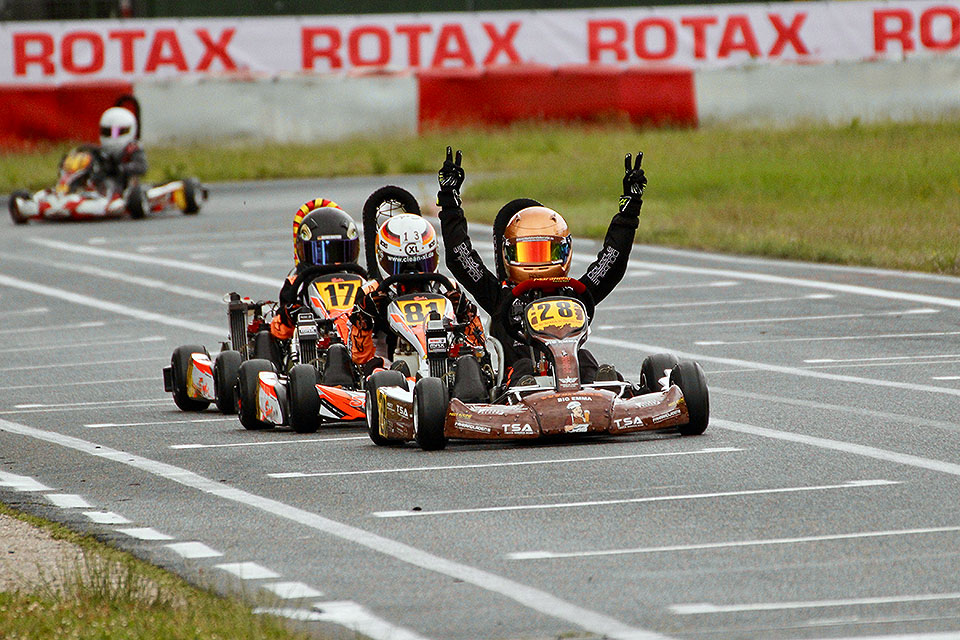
point(225, 370)
point(248, 381)
point(191, 191)
point(180, 362)
point(136, 202)
point(374, 382)
point(304, 414)
point(654, 368)
point(430, 402)
point(14, 206)
point(688, 375)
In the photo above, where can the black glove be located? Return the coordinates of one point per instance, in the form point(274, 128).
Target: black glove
point(450, 177)
point(634, 182)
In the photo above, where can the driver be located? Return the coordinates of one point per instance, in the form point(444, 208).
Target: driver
point(123, 160)
point(536, 245)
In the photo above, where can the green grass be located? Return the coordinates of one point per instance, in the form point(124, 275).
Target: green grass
point(111, 594)
point(879, 195)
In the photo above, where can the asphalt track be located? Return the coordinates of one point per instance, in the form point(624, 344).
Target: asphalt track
point(822, 502)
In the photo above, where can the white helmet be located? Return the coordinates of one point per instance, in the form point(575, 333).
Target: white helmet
point(118, 128)
point(406, 243)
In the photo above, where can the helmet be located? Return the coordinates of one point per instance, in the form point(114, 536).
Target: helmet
point(406, 243)
point(536, 244)
point(327, 235)
point(118, 128)
point(304, 209)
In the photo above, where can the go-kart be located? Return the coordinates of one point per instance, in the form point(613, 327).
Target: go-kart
point(670, 393)
point(80, 195)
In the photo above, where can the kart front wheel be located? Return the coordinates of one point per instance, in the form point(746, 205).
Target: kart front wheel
point(136, 202)
point(430, 402)
point(180, 364)
point(225, 371)
point(374, 382)
point(688, 375)
point(248, 383)
point(14, 206)
point(191, 192)
point(304, 414)
point(654, 368)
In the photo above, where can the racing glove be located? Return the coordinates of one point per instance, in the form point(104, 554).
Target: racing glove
point(451, 178)
point(634, 182)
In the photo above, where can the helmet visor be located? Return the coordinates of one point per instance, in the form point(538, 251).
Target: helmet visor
point(331, 250)
point(114, 132)
point(537, 250)
point(418, 264)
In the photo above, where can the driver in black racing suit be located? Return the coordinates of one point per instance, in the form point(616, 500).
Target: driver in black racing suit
point(535, 243)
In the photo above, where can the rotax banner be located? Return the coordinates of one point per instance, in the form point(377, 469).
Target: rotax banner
point(50, 53)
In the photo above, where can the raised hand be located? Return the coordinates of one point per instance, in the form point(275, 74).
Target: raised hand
point(451, 178)
point(634, 183)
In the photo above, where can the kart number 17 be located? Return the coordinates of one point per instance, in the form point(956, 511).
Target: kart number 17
point(339, 295)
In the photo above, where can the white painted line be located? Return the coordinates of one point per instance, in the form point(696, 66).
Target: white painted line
point(77, 384)
point(106, 517)
point(882, 358)
point(672, 287)
point(80, 345)
point(145, 533)
point(595, 503)
point(68, 501)
point(268, 443)
point(633, 273)
point(873, 365)
point(97, 403)
point(734, 544)
point(104, 425)
point(945, 378)
point(20, 483)
point(122, 309)
point(25, 312)
point(347, 614)
point(54, 327)
point(457, 467)
point(132, 405)
point(183, 265)
point(713, 303)
point(701, 323)
point(259, 245)
point(706, 607)
point(248, 570)
point(527, 596)
point(760, 366)
point(60, 365)
point(266, 263)
point(193, 550)
point(882, 336)
point(290, 590)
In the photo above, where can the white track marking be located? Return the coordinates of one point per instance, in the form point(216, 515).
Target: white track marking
point(713, 303)
point(455, 467)
point(696, 608)
point(68, 501)
point(734, 544)
point(97, 403)
point(945, 378)
point(882, 358)
point(145, 533)
point(600, 503)
point(347, 614)
point(248, 570)
point(291, 590)
point(760, 366)
point(267, 443)
point(81, 383)
point(869, 365)
point(259, 245)
point(21, 483)
point(122, 309)
point(125, 340)
point(60, 365)
point(104, 425)
point(183, 265)
point(881, 336)
point(118, 407)
point(701, 323)
point(530, 597)
point(672, 287)
point(845, 447)
point(266, 263)
point(24, 312)
point(106, 517)
point(54, 327)
point(193, 550)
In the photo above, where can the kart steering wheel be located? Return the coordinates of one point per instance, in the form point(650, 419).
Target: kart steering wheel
point(417, 278)
point(547, 286)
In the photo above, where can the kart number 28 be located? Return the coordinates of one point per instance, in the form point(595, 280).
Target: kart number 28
point(563, 314)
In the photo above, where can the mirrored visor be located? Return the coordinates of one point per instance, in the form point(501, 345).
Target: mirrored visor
point(331, 251)
point(537, 250)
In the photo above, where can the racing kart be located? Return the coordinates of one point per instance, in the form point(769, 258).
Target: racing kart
point(670, 393)
point(79, 195)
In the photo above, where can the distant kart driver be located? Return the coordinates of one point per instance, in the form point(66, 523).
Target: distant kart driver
point(536, 245)
point(122, 160)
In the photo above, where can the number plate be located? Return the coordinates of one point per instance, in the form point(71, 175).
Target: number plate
point(336, 291)
point(417, 310)
point(556, 316)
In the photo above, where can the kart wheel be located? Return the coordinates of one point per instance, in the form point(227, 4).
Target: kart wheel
point(468, 383)
point(654, 368)
point(430, 402)
point(304, 413)
point(688, 375)
point(225, 370)
point(136, 202)
point(263, 346)
point(191, 192)
point(14, 206)
point(248, 381)
point(180, 361)
point(374, 382)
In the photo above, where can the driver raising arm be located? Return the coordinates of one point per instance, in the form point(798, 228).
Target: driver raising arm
point(536, 245)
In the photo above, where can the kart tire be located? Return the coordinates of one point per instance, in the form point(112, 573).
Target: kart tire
point(225, 370)
point(136, 202)
point(468, 383)
point(14, 206)
point(688, 375)
point(180, 361)
point(304, 401)
point(654, 368)
point(263, 346)
point(191, 191)
point(374, 382)
point(248, 380)
point(430, 403)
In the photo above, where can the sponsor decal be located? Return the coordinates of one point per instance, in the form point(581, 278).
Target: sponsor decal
point(462, 251)
point(577, 428)
point(399, 409)
point(470, 426)
point(602, 266)
point(571, 380)
point(666, 416)
point(517, 428)
point(490, 411)
point(579, 418)
point(628, 421)
point(562, 399)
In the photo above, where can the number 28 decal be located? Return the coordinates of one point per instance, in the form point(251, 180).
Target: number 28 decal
point(556, 314)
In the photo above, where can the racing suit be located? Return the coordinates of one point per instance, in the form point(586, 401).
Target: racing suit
point(117, 170)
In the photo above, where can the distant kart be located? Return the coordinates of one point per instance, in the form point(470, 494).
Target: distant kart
point(671, 393)
point(76, 197)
